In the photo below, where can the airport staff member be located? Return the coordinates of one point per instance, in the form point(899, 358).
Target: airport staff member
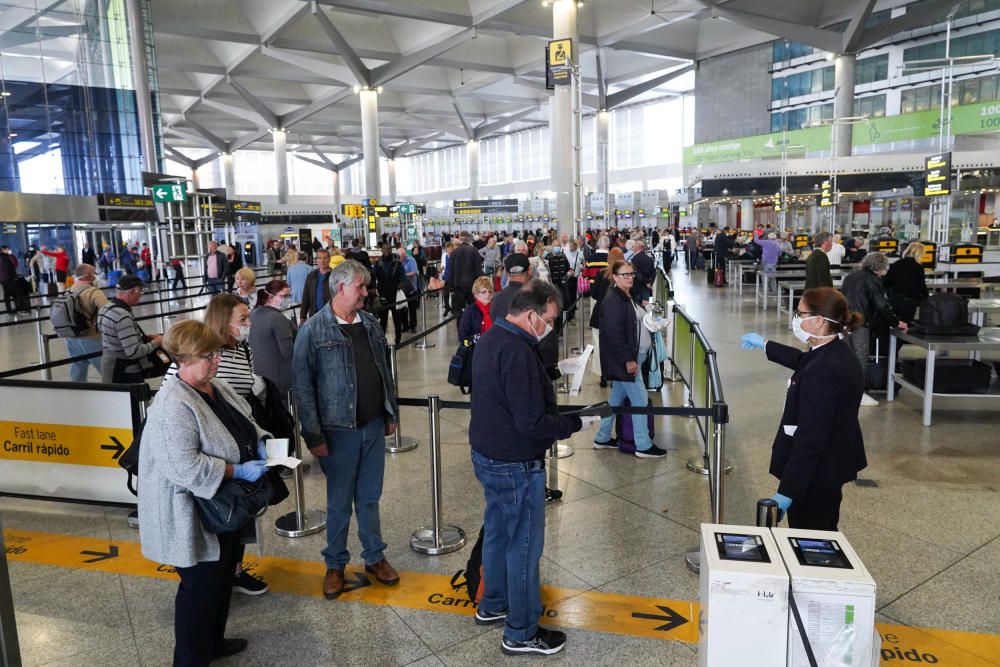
point(514, 422)
point(819, 446)
point(347, 405)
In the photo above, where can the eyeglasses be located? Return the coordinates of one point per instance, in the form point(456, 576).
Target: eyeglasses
point(626, 275)
point(802, 313)
point(211, 356)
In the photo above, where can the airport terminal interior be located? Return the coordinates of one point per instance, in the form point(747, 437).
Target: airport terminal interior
point(732, 146)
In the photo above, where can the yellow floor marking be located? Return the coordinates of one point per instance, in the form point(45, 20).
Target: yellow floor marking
point(567, 608)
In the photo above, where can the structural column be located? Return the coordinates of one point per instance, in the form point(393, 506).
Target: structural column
point(140, 79)
point(336, 192)
point(561, 122)
point(228, 177)
point(746, 214)
point(370, 142)
point(843, 103)
point(391, 170)
point(281, 163)
point(195, 184)
point(472, 153)
point(603, 148)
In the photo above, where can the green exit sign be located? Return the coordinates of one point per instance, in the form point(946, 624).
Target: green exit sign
point(171, 192)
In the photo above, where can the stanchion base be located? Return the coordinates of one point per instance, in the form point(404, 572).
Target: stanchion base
point(423, 346)
point(313, 521)
point(697, 464)
point(452, 539)
point(693, 560)
point(562, 389)
point(561, 452)
point(406, 444)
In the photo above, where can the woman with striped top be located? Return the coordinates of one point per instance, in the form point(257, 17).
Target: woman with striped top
point(229, 317)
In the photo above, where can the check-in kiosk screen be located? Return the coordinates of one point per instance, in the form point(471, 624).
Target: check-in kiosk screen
point(741, 547)
point(819, 553)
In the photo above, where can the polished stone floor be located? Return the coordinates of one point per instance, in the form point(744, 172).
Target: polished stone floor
point(928, 529)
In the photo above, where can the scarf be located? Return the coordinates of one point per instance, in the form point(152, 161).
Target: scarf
point(484, 308)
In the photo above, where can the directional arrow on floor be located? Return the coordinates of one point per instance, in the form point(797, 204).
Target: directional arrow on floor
point(360, 581)
point(112, 552)
point(672, 618)
point(117, 448)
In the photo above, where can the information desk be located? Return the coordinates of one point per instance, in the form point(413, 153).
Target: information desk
point(988, 340)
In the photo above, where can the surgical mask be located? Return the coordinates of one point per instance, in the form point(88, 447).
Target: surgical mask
point(244, 333)
point(557, 249)
point(804, 335)
point(545, 332)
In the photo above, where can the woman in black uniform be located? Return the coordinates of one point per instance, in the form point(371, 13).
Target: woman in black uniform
point(819, 446)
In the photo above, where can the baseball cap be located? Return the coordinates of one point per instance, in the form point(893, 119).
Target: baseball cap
point(128, 282)
point(516, 264)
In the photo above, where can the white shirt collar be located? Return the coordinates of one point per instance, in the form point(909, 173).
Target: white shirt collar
point(357, 319)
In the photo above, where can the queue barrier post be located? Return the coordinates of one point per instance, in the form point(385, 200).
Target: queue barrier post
point(767, 513)
point(300, 522)
point(44, 355)
point(717, 480)
point(423, 344)
point(581, 324)
point(563, 386)
point(397, 443)
point(436, 539)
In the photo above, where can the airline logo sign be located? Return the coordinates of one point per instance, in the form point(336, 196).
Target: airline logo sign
point(937, 175)
point(561, 61)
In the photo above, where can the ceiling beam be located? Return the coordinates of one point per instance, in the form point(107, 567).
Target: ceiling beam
point(261, 109)
point(386, 73)
point(602, 85)
point(237, 112)
point(245, 140)
point(188, 162)
point(334, 73)
point(361, 73)
point(926, 14)
point(826, 40)
point(315, 107)
point(216, 142)
point(487, 129)
point(618, 98)
point(856, 26)
point(469, 133)
point(318, 163)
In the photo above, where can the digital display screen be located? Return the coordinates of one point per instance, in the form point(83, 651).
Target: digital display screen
point(748, 548)
point(819, 553)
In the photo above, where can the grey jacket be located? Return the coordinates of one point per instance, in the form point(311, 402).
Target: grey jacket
point(184, 452)
point(272, 339)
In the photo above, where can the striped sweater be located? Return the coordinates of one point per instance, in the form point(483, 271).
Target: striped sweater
point(121, 338)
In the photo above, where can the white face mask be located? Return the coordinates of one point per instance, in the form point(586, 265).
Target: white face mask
point(804, 335)
point(545, 332)
point(244, 333)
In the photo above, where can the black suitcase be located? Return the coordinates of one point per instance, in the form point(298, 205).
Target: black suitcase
point(951, 376)
point(22, 295)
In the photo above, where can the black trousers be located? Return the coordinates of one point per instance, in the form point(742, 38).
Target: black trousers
point(819, 510)
point(668, 260)
point(460, 299)
point(568, 289)
point(411, 314)
point(201, 607)
point(8, 295)
point(178, 278)
point(398, 321)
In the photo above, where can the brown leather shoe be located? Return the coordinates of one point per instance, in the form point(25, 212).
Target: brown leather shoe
point(333, 583)
point(384, 572)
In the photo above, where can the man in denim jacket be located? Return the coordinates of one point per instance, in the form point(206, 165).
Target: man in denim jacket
point(347, 405)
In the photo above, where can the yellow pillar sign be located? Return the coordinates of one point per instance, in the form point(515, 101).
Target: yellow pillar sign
point(62, 443)
point(560, 52)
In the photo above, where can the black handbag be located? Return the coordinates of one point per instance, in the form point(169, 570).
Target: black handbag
point(460, 368)
point(234, 505)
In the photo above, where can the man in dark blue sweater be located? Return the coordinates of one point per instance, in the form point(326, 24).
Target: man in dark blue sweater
point(514, 422)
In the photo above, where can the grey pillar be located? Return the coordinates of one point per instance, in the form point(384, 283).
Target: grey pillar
point(336, 192)
point(280, 138)
point(843, 103)
point(564, 16)
point(370, 142)
point(472, 153)
point(140, 78)
point(195, 185)
point(603, 121)
point(228, 176)
point(391, 170)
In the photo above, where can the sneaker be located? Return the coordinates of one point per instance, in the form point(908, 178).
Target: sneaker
point(545, 642)
point(610, 444)
point(868, 400)
point(653, 452)
point(249, 584)
point(552, 495)
point(490, 618)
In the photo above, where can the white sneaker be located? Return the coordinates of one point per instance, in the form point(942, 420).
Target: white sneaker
point(868, 400)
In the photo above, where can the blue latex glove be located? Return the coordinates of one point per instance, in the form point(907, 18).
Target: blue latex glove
point(752, 341)
point(784, 502)
point(261, 450)
point(250, 471)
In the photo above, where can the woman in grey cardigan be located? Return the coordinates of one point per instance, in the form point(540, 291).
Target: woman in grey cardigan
point(198, 434)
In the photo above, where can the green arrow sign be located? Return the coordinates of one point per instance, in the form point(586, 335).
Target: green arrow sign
point(172, 192)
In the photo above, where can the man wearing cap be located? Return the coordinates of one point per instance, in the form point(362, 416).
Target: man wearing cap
point(770, 251)
point(90, 300)
point(518, 273)
point(124, 345)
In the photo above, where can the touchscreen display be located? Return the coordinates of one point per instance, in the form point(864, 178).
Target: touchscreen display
point(819, 553)
point(741, 547)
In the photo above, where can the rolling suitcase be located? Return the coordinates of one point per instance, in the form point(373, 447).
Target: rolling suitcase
point(626, 431)
point(720, 278)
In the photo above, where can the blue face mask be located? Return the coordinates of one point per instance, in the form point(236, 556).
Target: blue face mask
point(557, 249)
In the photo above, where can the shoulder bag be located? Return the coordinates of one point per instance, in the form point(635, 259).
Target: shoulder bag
point(234, 505)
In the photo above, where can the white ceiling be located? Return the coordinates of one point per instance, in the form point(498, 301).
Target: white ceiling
point(450, 69)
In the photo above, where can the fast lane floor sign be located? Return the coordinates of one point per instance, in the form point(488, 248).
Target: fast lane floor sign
point(566, 608)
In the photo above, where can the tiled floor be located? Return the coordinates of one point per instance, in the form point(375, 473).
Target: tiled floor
point(929, 531)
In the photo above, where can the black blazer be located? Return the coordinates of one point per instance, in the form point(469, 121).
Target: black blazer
point(827, 449)
point(619, 335)
point(905, 278)
point(309, 307)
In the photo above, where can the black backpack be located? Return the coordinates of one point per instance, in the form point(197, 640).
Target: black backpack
point(945, 314)
point(471, 578)
point(66, 315)
point(129, 460)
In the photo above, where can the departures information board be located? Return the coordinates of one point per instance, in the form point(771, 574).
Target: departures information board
point(937, 175)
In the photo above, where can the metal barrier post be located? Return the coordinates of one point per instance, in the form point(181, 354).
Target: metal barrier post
point(301, 522)
point(437, 539)
point(702, 464)
point(563, 386)
point(581, 324)
point(10, 652)
point(43, 347)
point(767, 513)
point(719, 468)
point(397, 443)
point(423, 343)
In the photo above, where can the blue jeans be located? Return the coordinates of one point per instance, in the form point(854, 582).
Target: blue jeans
point(636, 394)
point(213, 285)
point(513, 537)
point(354, 469)
point(76, 347)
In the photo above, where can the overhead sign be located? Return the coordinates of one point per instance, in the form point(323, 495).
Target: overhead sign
point(475, 206)
point(64, 443)
point(937, 175)
point(560, 63)
point(130, 201)
point(352, 210)
point(238, 206)
point(777, 202)
point(169, 193)
point(825, 199)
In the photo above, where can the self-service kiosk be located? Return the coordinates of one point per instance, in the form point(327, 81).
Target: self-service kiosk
point(744, 598)
point(835, 597)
